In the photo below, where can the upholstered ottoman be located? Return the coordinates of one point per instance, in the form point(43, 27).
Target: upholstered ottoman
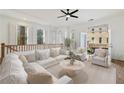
point(69, 69)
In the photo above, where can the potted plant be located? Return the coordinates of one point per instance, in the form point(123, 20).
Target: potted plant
point(90, 51)
point(67, 43)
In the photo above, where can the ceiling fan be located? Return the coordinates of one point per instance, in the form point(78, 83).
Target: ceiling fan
point(68, 14)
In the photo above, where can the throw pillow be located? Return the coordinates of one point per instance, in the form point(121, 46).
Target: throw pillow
point(63, 51)
point(23, 59)
point(80, 50)
point(42, 54)
point(100, 52)
point(54, 52)
point(30, 57)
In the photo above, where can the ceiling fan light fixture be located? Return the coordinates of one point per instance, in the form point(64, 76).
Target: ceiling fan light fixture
point(68, 16)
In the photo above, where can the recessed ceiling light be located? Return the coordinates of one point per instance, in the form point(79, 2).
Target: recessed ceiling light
point(90, 19)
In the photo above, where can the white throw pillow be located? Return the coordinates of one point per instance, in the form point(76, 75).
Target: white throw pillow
point(9, 57)
point(54, 52)
point(38, 75)
point(30, 55)
point(80, 50)
point(42, 54)
point(101, 52)
point(62, 51)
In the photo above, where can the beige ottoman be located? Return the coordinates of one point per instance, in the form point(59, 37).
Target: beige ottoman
point(71, 70)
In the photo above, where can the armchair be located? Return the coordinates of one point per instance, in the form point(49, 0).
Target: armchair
point(101, 57)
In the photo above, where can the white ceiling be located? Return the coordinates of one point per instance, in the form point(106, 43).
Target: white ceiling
point(49, 16)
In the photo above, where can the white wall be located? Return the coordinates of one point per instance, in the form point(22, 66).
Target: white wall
point(8, 30)
point(3, 30)
point(116, 24)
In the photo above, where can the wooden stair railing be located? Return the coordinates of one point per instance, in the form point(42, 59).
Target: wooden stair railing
point(2, 51)
point(5, 49)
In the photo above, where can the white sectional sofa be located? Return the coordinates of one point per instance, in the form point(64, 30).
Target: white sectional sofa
point(44, 57)
point(12, 69)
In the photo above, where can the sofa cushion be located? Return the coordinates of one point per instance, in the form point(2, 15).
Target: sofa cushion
point(48, 62)
point(38, 75)
point(10, 57)
point(60, 58)
point(13, 78)
point(42, 54)
point(80, 50)
point(30, 55)
point(54, 52)
point(40, 78)
point(99, 58)
point(100, 52)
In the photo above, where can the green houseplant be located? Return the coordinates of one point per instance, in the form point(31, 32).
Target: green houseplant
point(67, 43)
point(90, 50)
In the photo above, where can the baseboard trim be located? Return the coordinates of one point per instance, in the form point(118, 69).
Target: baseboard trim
point(117, 60)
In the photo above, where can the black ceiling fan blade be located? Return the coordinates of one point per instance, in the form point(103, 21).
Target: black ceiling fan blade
point(66, 18)
point(74, 16)
point(61, 16)
point(74, 11)
point(63, 11)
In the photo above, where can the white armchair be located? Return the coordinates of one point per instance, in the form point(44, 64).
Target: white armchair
point(101, 57)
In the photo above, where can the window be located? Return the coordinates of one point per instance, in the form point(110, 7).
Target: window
point(60, 36)
point(107, 39)
point(92, 38)
point(92, 30)
point(83, 40)
point(100, 29)
point(100, 40)
point(66, 34)
point(39, 36)
point(22, 35)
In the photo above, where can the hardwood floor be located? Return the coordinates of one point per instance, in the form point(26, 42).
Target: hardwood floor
point(119, 71)
point(0, 60)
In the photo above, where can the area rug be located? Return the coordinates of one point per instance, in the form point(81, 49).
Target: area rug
point(90, 74)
